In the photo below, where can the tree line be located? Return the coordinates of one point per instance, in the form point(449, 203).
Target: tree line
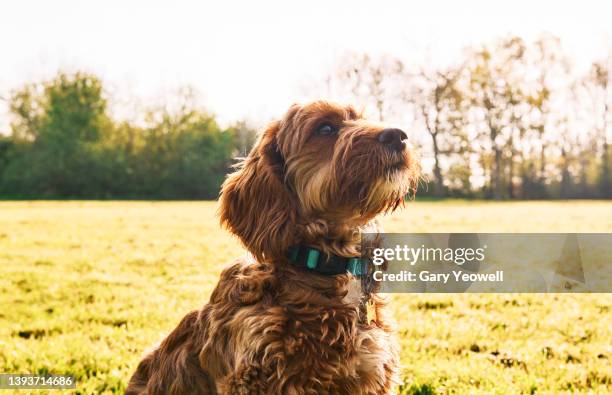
point(510, 119)
point(63, 143)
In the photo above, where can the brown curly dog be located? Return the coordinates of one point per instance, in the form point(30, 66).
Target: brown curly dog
point(290, 318)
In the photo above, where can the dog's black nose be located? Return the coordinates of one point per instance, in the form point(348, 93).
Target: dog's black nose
point(393, 138)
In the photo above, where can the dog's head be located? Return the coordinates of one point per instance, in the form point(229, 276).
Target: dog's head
point(321, 162)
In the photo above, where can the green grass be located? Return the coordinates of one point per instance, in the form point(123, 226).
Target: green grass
point(86, 287)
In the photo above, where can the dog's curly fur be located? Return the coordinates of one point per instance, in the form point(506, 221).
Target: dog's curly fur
point(271, 328)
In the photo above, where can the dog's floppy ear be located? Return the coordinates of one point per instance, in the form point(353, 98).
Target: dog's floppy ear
point(255, 203)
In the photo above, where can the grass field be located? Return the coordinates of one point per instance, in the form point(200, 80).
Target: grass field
point(85, 287)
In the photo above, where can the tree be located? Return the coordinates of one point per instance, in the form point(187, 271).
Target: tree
point(185, 152)
point(374, 81)
point(438, 101)
point(599, 85)
point(65, 144)
point(244, 137)
point(493, 95)
point(551, 84)
point(61, 119)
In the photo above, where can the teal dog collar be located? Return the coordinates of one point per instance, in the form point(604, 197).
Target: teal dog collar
point(314, 260)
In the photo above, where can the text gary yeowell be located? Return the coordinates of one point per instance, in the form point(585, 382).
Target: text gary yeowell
point(411, 255)
point(427, 276)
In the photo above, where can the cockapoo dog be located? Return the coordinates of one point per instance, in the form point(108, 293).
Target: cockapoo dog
point(292, 318)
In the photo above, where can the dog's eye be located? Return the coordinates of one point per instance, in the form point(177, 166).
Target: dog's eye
point(327, 130)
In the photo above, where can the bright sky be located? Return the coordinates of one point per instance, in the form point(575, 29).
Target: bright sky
point(252, 58)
